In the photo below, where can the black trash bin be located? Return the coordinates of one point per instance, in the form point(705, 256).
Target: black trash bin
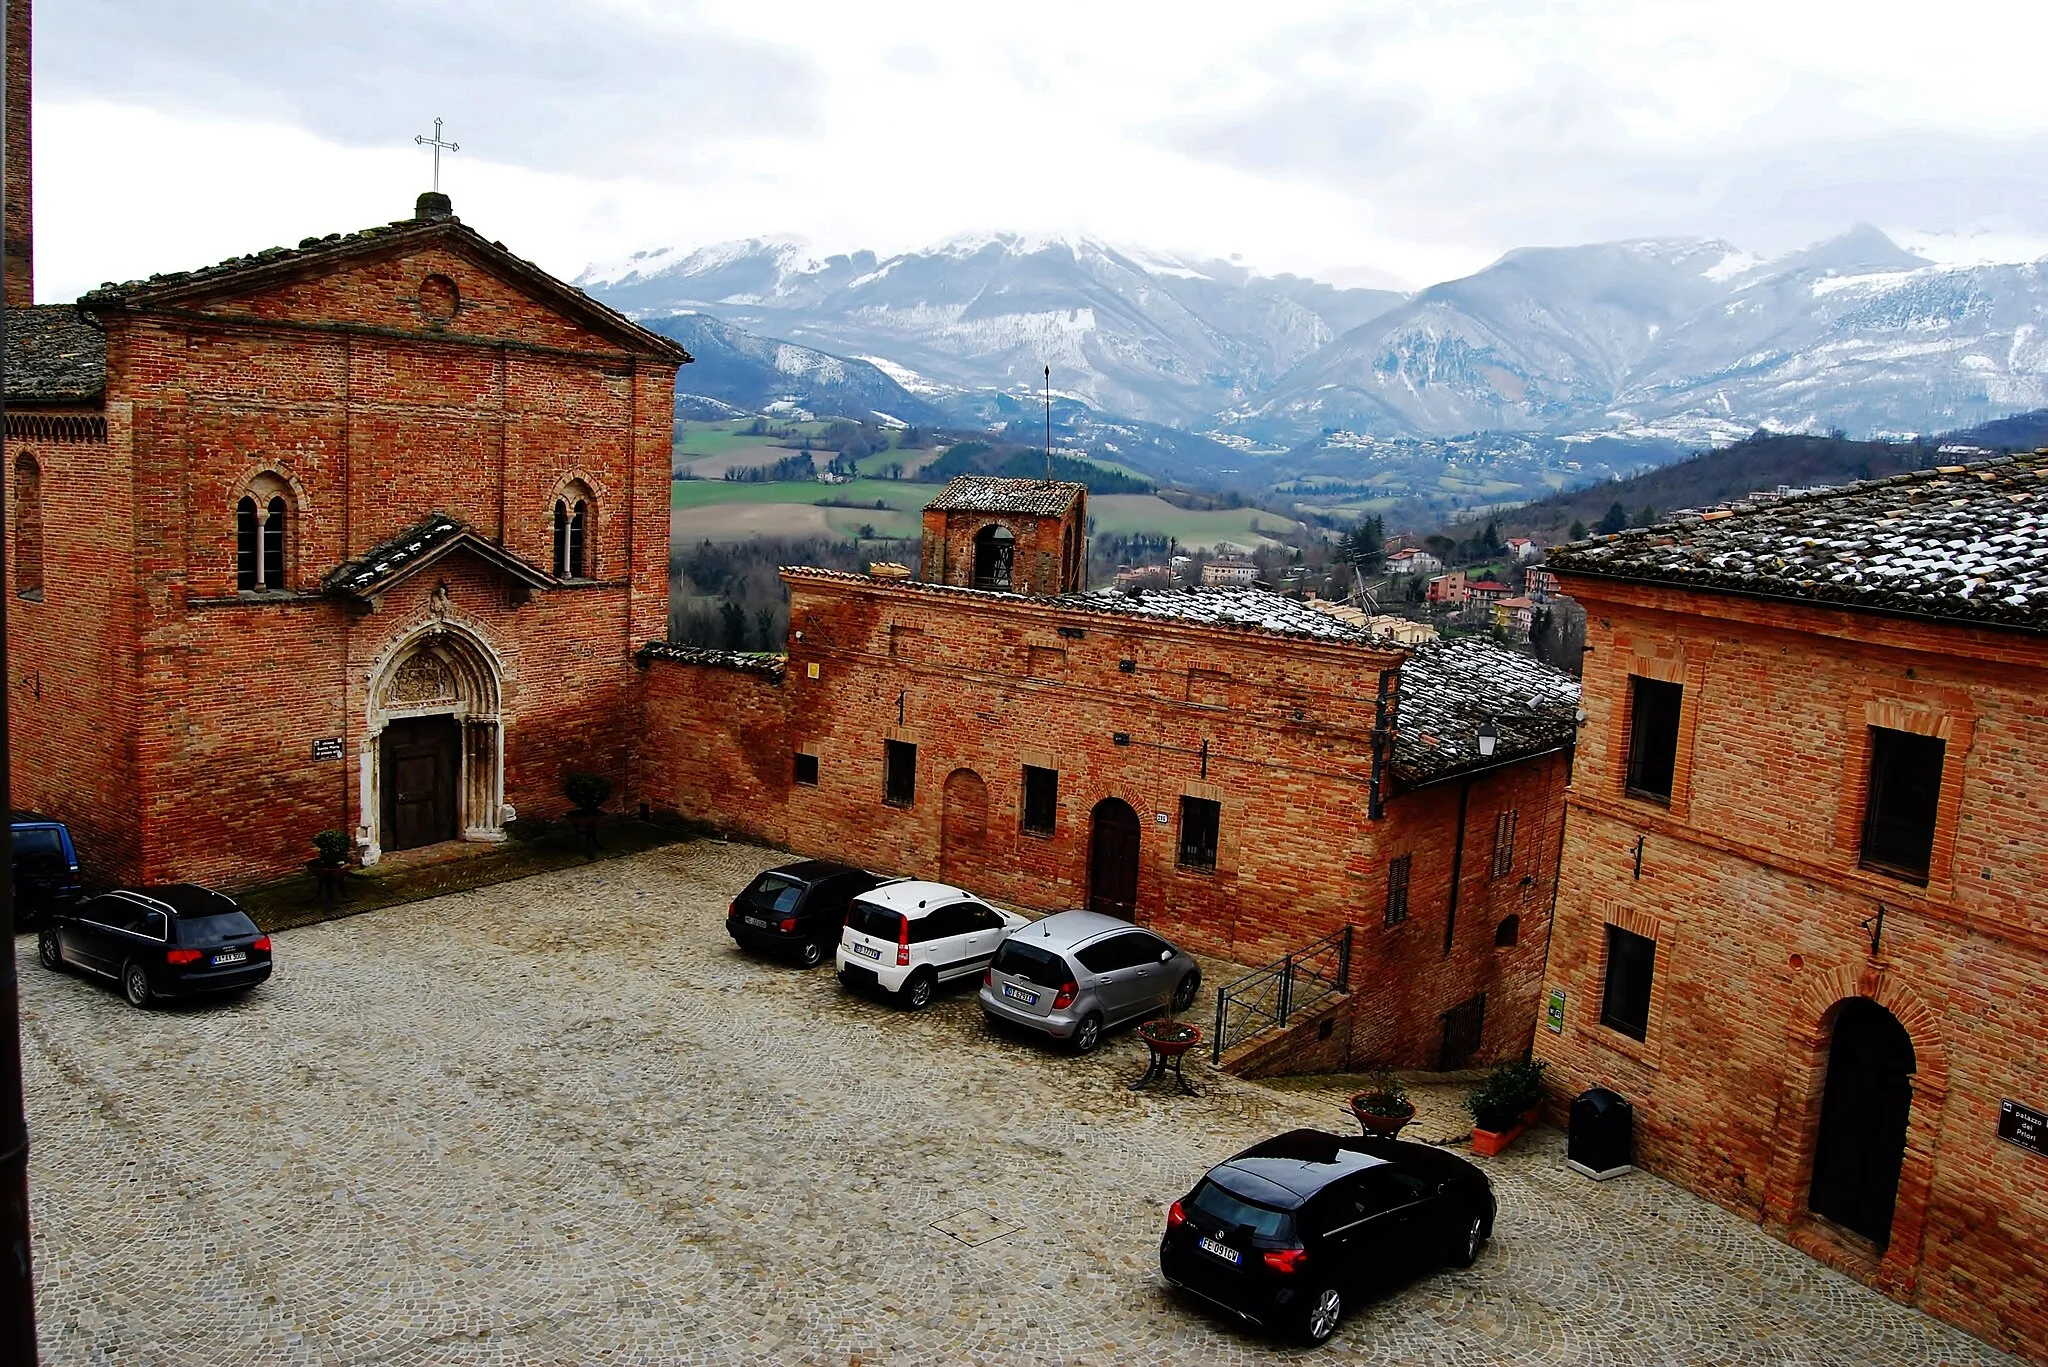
point(1601, 1138)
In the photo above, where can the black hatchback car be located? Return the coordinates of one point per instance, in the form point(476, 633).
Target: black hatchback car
point(799, 909)
point(175, 941)
point(1288, 1232)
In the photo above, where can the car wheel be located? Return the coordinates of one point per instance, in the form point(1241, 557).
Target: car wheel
point(51, 951)
point(810, 954)
point(1324, 1312)
point(1184, 995)
point(917, 993)
point(1471, 1237)
point(135, 985)
point(1088, 1034)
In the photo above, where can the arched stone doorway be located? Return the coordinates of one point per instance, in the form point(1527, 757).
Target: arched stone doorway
point(1113, 858)
point(1861, 1144)
point(995, 554)
point(963, 827)
point(433, 768)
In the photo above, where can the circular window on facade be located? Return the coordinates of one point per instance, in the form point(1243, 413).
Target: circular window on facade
point(438, 299)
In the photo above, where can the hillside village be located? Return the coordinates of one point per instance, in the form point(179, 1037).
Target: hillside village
point(1519, 937)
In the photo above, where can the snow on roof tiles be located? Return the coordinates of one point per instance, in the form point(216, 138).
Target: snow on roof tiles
point(989, 494)
point(1967, 543)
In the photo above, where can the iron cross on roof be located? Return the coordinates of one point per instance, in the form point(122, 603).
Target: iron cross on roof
point(437, 144)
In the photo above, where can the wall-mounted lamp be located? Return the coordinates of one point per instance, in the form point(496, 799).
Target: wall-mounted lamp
point(1489, 740)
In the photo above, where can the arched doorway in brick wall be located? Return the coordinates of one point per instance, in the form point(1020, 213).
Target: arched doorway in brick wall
point(1868, 1098)
point(1113, 858)
point(433, 767)
point(963, 827)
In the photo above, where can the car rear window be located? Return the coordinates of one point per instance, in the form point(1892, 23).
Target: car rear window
point(37, 840)
point(208, 930)
point(1032, 964)
point(773, 892)
point(1236, 1212)
point(869, 919)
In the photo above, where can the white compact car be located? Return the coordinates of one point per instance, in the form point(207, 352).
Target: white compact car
point(907, 938)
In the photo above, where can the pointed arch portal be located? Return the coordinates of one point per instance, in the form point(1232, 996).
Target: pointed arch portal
point(434, 767)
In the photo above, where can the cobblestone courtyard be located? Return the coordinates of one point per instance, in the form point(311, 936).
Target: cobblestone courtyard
point(563, 1121)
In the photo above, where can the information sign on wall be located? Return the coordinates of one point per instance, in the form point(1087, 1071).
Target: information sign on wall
point(1553, 1012)
point(2024, 1126)
point(327, 747)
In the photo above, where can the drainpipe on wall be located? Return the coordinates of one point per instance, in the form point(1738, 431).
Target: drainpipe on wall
point(1375, 806)
point(1457, 864)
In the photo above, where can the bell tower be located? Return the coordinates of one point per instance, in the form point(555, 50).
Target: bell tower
point(1008, 536)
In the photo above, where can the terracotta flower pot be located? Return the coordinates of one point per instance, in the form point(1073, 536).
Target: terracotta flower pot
point(1378, 1122)
point(1488, 1143)
point(1172, 1048)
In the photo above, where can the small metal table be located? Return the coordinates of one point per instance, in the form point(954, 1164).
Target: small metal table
point(1166, 1057)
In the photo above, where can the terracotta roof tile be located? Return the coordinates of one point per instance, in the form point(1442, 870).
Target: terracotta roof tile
point(54, 356)
point(989, 494)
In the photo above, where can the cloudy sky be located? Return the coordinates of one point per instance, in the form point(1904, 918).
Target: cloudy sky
point(1367, 141)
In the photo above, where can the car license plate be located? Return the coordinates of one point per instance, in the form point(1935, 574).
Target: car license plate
point(755, 921)
point(1223, 1251)
point(233, 957)
point(868, 950)
point(1028, 998)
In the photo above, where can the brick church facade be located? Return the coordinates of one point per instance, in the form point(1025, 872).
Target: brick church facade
point(1231, 766)
point(1801, 923)
point(358, 534)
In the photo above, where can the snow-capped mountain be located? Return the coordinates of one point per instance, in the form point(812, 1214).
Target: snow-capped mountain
point(1688, 339)
point(1150, 336)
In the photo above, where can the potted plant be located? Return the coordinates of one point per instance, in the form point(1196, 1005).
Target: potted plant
point(1169, 1036)
point(330, 863)
point(1383, 1107)
point(586, 794)
point(1504, 1105)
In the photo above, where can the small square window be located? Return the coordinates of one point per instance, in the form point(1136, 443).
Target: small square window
point(1899, 813)
point(807, 769)
point(1653, 737)
point(899, 773)
point(1200, 820)
point(1041, 799)
point(1631, 968)
point(1397, 888)
point(1504, 844)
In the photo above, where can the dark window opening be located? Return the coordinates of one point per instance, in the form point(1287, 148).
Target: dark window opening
point(1397, 888)
point(1464, 1029)
point(273, 545)
point(899, 772)
point(994, 553)
point(28, 527)
point(572, 523)
point(1504, 844)
point(1041, 799)
point(1631, 967)
point(1905, 790)
point(1508, 933)
point(1200, 820)
point(1653, 737)
point(807, 769)
point(579, 522)
point(247, 559)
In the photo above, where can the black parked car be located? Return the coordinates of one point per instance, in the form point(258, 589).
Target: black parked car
point(798, 909)
point(173, 941)
point(45, 867)
point(1284, 1234)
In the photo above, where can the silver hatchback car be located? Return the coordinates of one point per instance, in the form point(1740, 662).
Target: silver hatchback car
point(1075, 974)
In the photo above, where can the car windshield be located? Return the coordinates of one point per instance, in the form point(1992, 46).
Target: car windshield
point(869, 919)
point(773, 892)
point(1236, 1212)
point(209, 930)
point(37, 840)
point(1032, 964)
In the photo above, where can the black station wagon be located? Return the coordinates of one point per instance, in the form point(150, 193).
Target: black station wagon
point(1287, 1233)
point(799, 909)
point(176, 941)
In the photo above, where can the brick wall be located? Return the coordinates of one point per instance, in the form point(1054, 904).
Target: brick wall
point(1278, 735)
point(19, 226)
point(1751, 887)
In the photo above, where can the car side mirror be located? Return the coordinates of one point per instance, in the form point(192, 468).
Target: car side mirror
point(1166, 956)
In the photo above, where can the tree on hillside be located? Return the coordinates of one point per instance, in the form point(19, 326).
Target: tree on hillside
point(1647, 517)
point(1578, 530)
point(1490, 543)
point(735, 619)
point(1616, 519)
point(1440, 546)
point(1364, 545)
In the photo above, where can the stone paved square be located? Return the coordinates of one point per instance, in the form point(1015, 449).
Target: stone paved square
point(564, 1121)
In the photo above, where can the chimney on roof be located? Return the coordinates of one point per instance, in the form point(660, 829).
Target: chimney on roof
point(19, 213)
point(432, 204)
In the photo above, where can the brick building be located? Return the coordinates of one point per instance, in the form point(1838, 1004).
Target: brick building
point(360, 534)
point(1232, 766)
point(1801, 924)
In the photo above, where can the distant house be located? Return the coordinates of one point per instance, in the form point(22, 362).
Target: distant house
point(1143, 577)
point(1515, 616)
point(1522, 548)
point(1541, 584)
point(1448, 588)
point(1413, 561)
point(1230, 573)
point(1487, 590)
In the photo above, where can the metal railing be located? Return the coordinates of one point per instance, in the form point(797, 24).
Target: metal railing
point(1283, 989)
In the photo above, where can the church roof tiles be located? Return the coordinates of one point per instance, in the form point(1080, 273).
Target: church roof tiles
point(54, 356)
point(990, 494)
point(1962, 543)
point(415, 548)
